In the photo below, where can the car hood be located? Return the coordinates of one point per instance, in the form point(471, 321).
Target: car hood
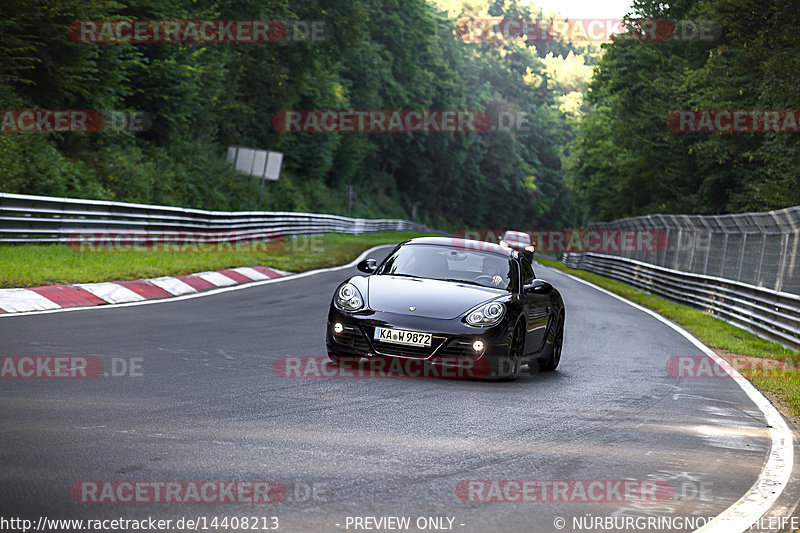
point(431, 298)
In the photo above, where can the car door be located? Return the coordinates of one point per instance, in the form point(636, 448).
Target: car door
point(537, 309)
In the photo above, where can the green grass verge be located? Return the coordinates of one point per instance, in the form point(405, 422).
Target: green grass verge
point(715, 333)
point(31, 265)
point(783, 383)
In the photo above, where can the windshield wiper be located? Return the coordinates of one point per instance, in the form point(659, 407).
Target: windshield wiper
point(468, 282)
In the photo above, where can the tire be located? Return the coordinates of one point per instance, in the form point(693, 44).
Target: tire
point(551, 363)
point(509, 370)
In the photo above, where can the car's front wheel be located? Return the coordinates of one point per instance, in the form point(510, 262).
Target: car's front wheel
point(551, 363)
point(509, 370)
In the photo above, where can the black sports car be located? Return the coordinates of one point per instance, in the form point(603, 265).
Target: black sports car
point(449, 303)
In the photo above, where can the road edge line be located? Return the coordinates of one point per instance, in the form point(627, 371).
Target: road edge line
point(777, 470)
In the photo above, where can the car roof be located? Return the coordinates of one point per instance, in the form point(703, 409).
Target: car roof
point(466, 244)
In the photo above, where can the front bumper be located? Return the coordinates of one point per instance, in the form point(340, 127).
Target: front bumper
point(452, 343)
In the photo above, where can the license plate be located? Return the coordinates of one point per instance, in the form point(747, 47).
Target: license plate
point(399, 336)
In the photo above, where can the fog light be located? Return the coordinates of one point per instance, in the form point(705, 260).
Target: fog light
point(338, 327)
point(477, 346)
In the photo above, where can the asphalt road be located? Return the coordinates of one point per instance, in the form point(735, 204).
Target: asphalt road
point(205, 404)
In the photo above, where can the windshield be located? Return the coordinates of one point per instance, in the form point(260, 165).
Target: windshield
point(517, 236)
point(445, 263)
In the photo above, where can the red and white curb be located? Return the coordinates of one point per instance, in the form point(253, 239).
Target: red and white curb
point(119, 292)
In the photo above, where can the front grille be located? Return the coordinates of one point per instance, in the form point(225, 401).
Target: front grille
point(457, 348)
point(353, 337)
point(401, 350)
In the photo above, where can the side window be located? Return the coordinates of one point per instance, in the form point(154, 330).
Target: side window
point(527, 272)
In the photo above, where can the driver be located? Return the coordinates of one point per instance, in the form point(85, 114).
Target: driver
point(496, 271)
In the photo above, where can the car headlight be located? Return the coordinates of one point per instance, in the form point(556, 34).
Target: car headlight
point(348, 297)
point(504, 244)
point(486, 314)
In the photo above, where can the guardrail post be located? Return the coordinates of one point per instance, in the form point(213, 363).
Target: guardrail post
point(782, 262)
point(791, 262)
point(741, 258)
point(690, 267)
point(757, 280)
point(724, 254)
point(708, 252)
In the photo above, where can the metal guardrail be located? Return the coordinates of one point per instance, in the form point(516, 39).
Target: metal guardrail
point(46, 219)
point(760, 249)
point(767, 313)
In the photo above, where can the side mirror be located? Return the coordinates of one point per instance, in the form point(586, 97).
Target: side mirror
point(539, 286)
point(367, 265)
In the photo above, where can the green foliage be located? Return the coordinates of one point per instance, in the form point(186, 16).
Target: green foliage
point(203, 97)
point(625, 161)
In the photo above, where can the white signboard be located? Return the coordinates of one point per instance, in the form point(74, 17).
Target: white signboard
point(244, 160)
point(257, 163)
point(274, 165)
